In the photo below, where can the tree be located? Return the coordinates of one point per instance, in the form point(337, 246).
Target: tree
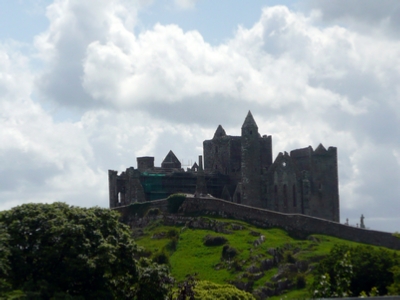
point(154, 281)
point(6, 291)
point(394, 288)
point(353, 271)
point(326, 286)
point(56, 250)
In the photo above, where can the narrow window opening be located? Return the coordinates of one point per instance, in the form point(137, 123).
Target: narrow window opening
point(285, 198)
point(294, 196)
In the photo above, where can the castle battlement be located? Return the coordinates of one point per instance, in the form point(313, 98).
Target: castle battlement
point(240, 169)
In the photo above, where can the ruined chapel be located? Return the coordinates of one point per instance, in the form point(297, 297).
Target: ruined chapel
point(239, 169)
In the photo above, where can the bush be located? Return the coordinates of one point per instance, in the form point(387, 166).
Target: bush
point(214, 240)
point(174, 202)
point(300, 281)
point(152, 212)
point(173, 233)
point(237, 265)
point(229, 252)
point(288, 257)
point(172, 244)
point(206, 290)
point(161, 258)
point(155, 281)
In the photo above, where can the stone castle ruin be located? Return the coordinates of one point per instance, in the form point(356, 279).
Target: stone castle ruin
point(240, 169)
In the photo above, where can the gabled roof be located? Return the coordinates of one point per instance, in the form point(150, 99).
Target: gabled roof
point(195, 167)
point(249, 121)
point(170, 158)
point(320, 149)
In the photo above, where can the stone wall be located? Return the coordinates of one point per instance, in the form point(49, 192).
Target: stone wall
point(295, 224)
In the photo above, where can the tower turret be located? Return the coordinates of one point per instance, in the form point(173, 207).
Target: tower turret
point(249, 125)
point(251, 183)
point(220, 132)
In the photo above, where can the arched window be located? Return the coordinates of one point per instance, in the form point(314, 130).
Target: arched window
point(276, 196)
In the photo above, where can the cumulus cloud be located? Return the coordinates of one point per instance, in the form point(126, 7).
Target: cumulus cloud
point(74, 25)
point(41, 160)
point(145, 93)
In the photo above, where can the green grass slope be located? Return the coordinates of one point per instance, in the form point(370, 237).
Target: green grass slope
point(261, 260)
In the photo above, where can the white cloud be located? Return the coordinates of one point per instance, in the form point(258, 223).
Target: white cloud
point(166, 89)
point(41, 160)
point(73, 26)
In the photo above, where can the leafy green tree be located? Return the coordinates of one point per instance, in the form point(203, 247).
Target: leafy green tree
point(372, 269)
point(56, 250)
point(154, 282)
point(338, 283)
point(4, 253)
point(6, 291)
point(354, 270)
point(185, 288)
point(394, 288)
point(322, 286)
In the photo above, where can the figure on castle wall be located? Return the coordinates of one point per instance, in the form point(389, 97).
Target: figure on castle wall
point(362, 225)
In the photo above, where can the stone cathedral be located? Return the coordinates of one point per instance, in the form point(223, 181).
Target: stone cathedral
point(240, 169)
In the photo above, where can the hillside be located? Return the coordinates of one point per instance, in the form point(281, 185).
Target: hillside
point(266, 262)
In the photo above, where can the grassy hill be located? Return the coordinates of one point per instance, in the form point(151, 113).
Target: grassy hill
point(266, 262)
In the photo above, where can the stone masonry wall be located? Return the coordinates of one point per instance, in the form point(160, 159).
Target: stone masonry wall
point(297, 225)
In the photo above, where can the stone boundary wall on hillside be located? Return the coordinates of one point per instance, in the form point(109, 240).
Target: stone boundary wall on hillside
point(295, 224)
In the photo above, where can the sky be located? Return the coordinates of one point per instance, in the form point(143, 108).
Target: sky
point(89, 86)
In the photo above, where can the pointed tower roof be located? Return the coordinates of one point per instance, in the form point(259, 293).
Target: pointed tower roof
point(220, 132)
point(171, 161)
point(249, 121)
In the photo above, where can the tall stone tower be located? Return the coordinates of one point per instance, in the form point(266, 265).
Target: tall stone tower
point(251, 164)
